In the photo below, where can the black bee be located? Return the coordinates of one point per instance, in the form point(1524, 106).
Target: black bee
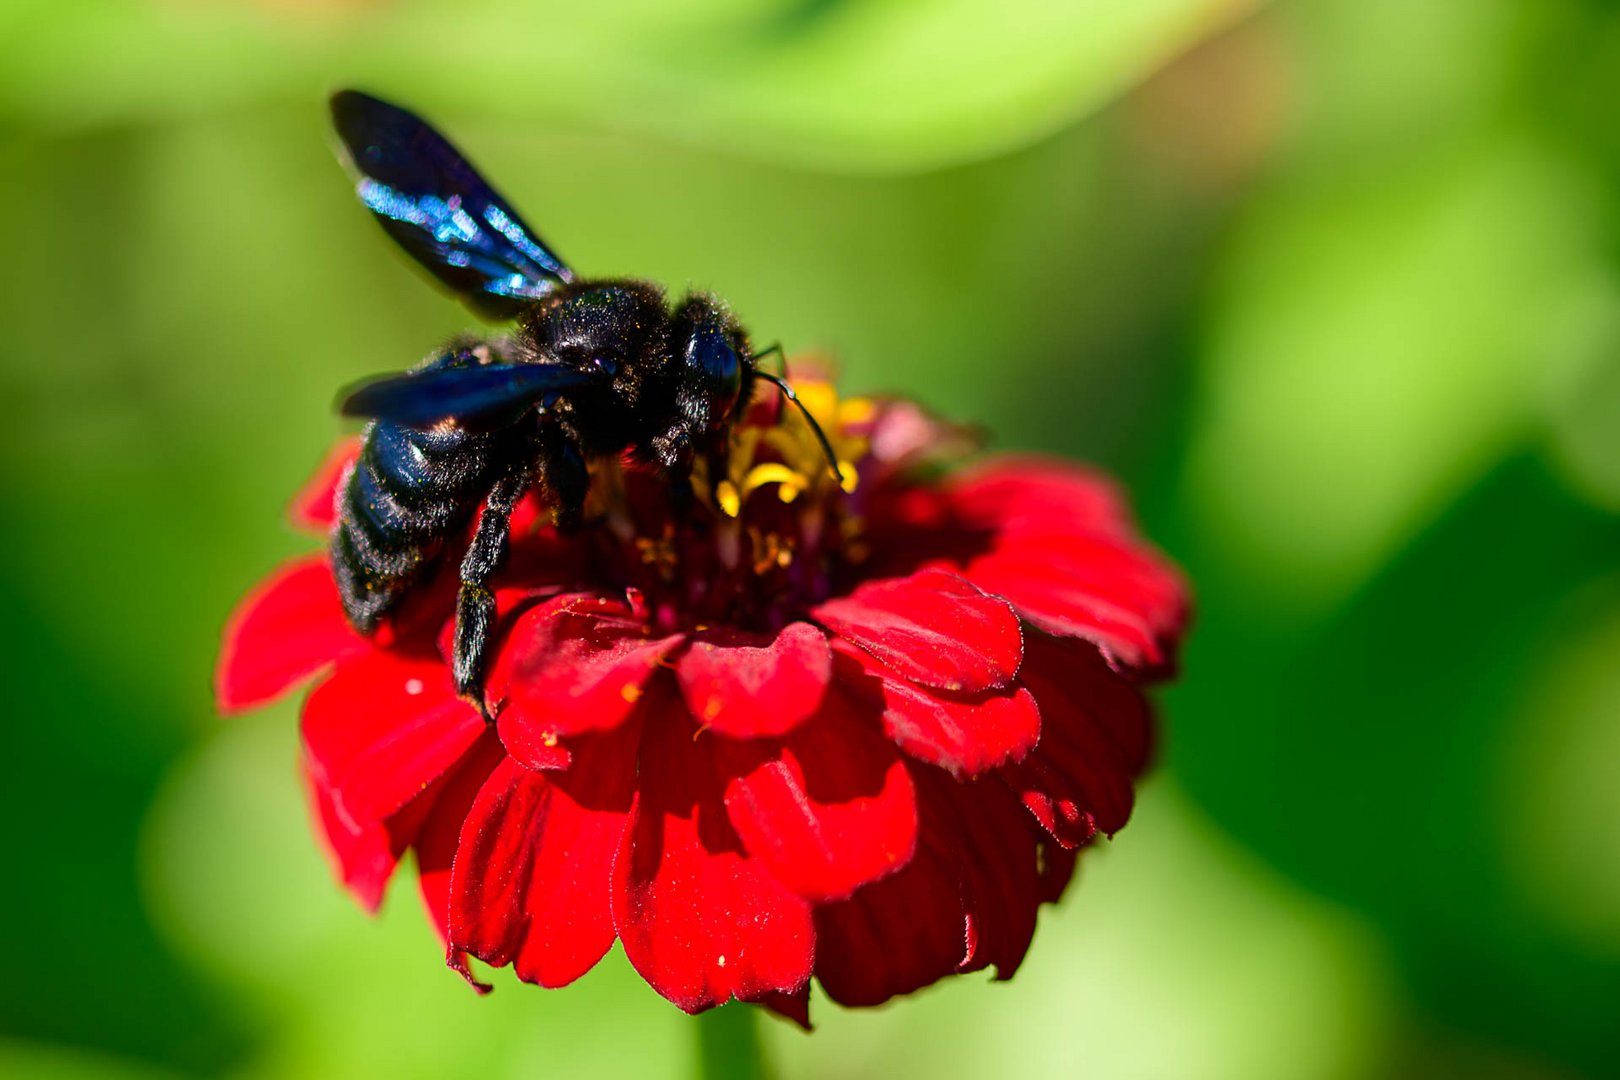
point(592, 369)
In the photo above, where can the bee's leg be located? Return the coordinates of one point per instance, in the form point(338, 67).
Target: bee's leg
point(475, 604)
point(566, 481)
point(681, 496)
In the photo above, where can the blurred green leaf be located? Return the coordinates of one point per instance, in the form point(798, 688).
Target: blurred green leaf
point(38, 1061)
point(1380, 334)
point(858, 85)
point(1176, 957)
point(1561, 759)
point(1584, 397)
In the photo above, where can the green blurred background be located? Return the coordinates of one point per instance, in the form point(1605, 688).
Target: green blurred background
point(1333, 284)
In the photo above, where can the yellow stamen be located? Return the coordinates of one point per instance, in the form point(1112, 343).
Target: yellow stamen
point(730, 502)
point(660, 553)
point(858, 410)
point(772, 472)
point(820, 398)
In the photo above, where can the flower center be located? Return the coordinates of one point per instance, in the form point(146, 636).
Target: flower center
point(760, 542)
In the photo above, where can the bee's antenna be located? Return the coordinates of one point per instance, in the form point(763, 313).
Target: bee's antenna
point(776, 350)
point(821, 437)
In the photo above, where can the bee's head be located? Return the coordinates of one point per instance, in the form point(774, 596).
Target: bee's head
point(712, 370)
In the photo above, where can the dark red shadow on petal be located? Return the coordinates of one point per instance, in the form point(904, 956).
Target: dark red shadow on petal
point(1056, 869)
point(700, 920)
point(964, 734)
point(934, 628)
point(827, 809)
point(283, 632)
point(794, 1006)
point(967, 900)
point(754, 685)
point(896, 935)
point(1095, 741)
point(999, 867)
point(534, 866)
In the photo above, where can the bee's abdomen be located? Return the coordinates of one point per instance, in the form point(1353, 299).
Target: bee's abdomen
point(408, 492)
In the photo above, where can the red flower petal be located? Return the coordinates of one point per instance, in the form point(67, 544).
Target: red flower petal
point(934, 627)
point(1094, 742)
point(1064, 550)
point(794, 1006)
point(1057, 865)
point(700, 920)
point(966, 900)
point(436, 846)
point(1013, 493)
point(965, 734)
point(364, 856)
point(381, 728)
point(1057, 606)
point(315, 505)
point(286, 630)
point(754, 685)
point(894, 936)
point(827, 809)
point(1118, 571)
point(573, 664)
point(532, 873)
point(1000, 872)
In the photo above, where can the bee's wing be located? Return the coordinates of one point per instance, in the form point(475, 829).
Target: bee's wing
point(434, 203)
point(477, 398)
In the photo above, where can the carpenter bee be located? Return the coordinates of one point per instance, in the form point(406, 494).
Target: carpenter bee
point(592, 369)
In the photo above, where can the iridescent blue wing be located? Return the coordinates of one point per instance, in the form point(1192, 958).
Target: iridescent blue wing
point(478, 398)
point(429, 199)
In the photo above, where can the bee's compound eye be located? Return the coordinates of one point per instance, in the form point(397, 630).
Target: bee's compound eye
point(712, 363)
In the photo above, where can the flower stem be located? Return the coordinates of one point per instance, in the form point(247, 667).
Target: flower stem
point(728, 1044)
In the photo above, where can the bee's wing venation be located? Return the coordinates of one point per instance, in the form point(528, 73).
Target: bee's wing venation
point(484, 398)
point(440, 210)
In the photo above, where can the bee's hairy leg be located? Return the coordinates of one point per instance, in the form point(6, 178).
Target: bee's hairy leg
point(566, 480)
point(475, 604)
point(682, 499)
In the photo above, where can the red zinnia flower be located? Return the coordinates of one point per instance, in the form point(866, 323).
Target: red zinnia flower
point(795, 732)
